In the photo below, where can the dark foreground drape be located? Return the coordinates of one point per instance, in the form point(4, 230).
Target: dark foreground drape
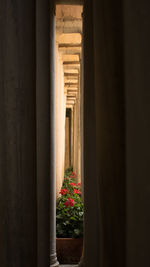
point(43, 78)
point(116, 133)
point(26, 133)
point(27, 141)
point(104, 134)
point(18, 219)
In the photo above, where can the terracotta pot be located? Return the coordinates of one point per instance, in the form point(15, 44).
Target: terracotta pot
point(69, 250)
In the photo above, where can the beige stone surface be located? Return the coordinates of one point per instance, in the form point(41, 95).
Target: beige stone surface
point(70, 57)
point(69, 38)
point(69, 11)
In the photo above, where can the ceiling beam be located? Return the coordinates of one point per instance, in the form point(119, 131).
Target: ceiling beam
point(71, 67)
point(70, 58)
point(70, 106)
point(71, 79)
point(71, 97)
point(68, 50)
point(69, 45)
point(70, 103)
point(72, 90)
point(69, 2)
point(71, 74)
point(71, 62)
point(73, 101)
point(73, 94)
point(70, 84)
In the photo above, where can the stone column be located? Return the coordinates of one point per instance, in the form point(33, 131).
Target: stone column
point(53, 257)
point(67, 144)
point(79, 135)
point(81, 264)
point(60, 121)
point(75, 116)
point(72, 136)
point(18, 223)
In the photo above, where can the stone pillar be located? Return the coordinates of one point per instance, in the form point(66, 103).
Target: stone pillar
point(72, 136)
point(60, 122)
point(53, 257)
point(18, 223)
point(79, 136)
point(75, 116)
point(81, 264)
point(67, 143)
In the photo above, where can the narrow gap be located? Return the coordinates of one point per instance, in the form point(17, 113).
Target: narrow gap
point(69, 121)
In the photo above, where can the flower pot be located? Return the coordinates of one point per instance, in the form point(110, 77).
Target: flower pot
point(69, 250)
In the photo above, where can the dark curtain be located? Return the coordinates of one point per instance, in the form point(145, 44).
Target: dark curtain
point(18, 208)
point(116, 133)
point(104, 134)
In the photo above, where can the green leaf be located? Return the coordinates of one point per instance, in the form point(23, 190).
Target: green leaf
point(73, 218)
point(77, 231)
point(59, 216)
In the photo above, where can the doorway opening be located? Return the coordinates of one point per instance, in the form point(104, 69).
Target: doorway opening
point(69, 128)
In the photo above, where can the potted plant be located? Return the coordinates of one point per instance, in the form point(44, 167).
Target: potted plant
point(69, 220)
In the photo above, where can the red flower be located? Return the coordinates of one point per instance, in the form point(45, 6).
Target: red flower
point(79, 184)
point(73, 184)
point(64, 191)
point(76, 191)
point(70, 202)
point(73, 175)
